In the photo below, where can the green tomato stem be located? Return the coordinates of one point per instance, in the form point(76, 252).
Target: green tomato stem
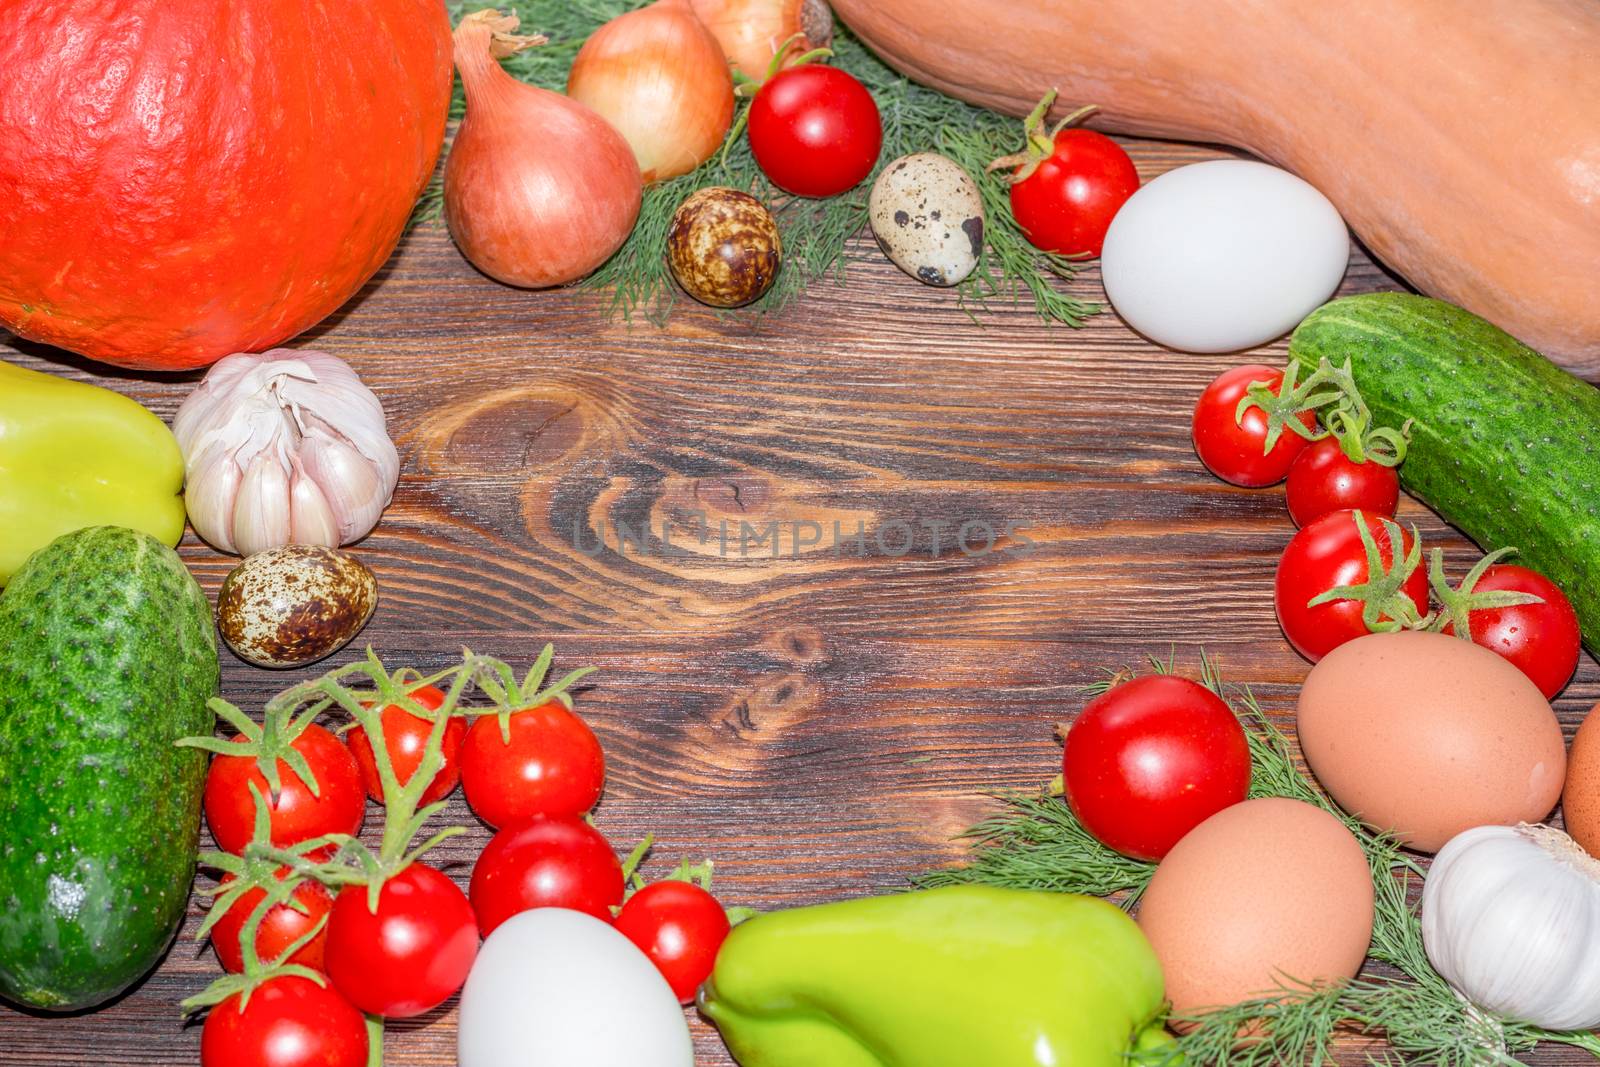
point(400, 802)
point(374, 1041)
point(1385, 607)
point(1457, 605)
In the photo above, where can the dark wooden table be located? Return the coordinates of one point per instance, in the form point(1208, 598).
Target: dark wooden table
point(819, 723)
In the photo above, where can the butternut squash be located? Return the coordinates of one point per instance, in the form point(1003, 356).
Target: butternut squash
point(1459, 138)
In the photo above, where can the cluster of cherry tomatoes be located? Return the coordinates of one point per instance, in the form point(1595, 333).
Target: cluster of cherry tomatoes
point(1351, 569)
point(1151, 758)
point(327, 953)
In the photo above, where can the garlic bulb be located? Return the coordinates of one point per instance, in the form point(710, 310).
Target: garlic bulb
point(285, 447)
point(1511, 919)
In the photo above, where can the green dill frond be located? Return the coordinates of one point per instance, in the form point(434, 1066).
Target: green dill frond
point(815, 232)
point(1037, 843)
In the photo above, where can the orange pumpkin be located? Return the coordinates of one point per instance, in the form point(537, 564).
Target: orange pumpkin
point(183, 179)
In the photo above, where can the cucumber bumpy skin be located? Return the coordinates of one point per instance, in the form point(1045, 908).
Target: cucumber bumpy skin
point(1505, 445)
point(107, 657)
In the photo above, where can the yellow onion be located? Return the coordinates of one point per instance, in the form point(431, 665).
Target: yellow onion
point(659, 76)
point(752, 31)
point(538, 190)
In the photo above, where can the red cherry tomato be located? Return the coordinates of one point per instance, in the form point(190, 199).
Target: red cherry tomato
point(545, 863)
point(815, 130)
point(290, 1022)
point(406, 737)
point(1066, 204)
point(1233, 450)
point(680, 927)
point(1541, 640)
point(552, 766)
point(410, 955)
point(1326, 554)
point(281, 927)
point(297, 815)
point(1151, 759)
point(1323, 479)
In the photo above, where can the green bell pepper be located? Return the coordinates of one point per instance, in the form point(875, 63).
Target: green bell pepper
point(965, 976)
point(75, 455)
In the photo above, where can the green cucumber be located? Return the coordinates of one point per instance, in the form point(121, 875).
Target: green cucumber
point(107, 657)
point(1505, 445)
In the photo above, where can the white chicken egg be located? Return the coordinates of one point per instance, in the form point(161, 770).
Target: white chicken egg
point(1223, 255)
point(558, 988)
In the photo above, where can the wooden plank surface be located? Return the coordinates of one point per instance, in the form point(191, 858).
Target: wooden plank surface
point(819, 722)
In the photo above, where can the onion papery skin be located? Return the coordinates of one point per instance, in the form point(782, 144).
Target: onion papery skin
point(180, 181)
point(539, 190)
point(659, 76)
point(752, 31)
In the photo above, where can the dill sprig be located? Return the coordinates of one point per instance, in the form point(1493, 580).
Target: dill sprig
point(815, 232)
point(1024, 846)
point(1035, 842)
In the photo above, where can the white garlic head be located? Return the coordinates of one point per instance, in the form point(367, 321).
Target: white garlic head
point(284, 447)
point(1511, 919)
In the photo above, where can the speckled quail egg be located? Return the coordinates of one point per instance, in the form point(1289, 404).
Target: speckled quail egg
point(294, 605)
point(723, 247)
point(928, 217)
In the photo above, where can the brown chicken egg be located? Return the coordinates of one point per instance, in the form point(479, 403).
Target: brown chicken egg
point(1580, 797)
point(1428, 735)
point(293, 605)
point(1267, 894)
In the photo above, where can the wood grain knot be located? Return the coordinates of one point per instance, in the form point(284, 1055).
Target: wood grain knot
point(738, 495)
point(735, 744)
point(513, 431)
point(773, 707)
point(753, 515)
point(799, 644)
